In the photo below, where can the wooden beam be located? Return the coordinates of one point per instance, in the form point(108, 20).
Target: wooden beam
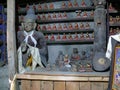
point(11, 38)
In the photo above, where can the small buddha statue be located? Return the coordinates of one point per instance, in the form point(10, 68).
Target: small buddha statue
point(43, 17)
point(58, 37)
point(54, 16)
point(87, 26)
point(65, 27)
point(49, 27)
point(46, 37)
point(70, 37)
point(64, 15)
point(45, 6)
point(51, 6)
point(76, 37)
point(75, 54)
point(87, 36)
point(52, 37)
point(54, 27)
point(27, 6)
point(82, 36)
point(49, 16)
point(70, 4)
point(59, 27)
point(92, 13)
point(38, 17)
point(59, 15)
point(76, 3)
point(111, 20)
point(63, 5)
point(76, 26)
point(85, 14)
point(117, 30)
point(111, 31)
point(44, 27)
point(78, 14)
point(82, 26)
point(67, 61)
point(38, 27)
point(34, 6)
point(83, 4)
point(39, 7)
point(70, 26)
point(64, 37)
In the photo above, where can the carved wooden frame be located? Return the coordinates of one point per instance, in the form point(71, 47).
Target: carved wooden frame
point(115, 73)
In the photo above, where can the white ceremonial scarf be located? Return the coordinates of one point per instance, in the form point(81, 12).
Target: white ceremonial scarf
point(109, 46)
point(27, 35)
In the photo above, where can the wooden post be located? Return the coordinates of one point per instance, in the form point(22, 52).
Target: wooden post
point(11, 37)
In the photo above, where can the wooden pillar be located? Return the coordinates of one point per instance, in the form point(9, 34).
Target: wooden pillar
point(11, 37)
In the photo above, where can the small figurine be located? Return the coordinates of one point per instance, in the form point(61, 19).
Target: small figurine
point(76, 3)
point(78, 14)
point(38, 17)
point(59, 27)
point(70, 37)
point(75, 55)
point(117, 30)
point(111, 20)
point(82, 36)
point(34, 6)
point(58, 37)
point(49, 16)
point(51, 6)
point(76, 26)
point(70, 4)
point(81, 68)
point(85, 14)
point(83, 4)
point(64, 37)
point(82, 26)
point(43, 17)
point(74, 68)
point(117, 19)
point(88, 67)
point(64, 15)
point(54, 27)
point(76, 37)
point(65, 27)
point(111, 8)
point(46, 37)
point(49, 27)
point(39, 7)
point(70, 26)
point(44, 27)
point(111, 31)
point(87, 26)
point(67, 61)
point(38, 27)
point(54, 16)
point(27, 6)
point(63, 5)
point(52, 37)
point(87, 36)
point(83, 56)
point(59, 16)
point(92, 13)
point(45, 6)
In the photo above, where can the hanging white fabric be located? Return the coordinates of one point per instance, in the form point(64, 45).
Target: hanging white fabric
point(109, 46)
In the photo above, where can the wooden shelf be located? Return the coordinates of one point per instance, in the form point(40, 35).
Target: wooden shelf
point(66, 20)
point(68, 42)
point(67, 31)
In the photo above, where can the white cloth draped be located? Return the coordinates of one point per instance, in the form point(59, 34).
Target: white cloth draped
point(109, 46)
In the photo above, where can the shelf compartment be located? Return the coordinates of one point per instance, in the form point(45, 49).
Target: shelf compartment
point(68, 42)
point(23, 11)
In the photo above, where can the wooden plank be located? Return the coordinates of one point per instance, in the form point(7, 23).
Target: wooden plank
point(59, 85)
point(72, 86)
point(35, 85)
point(25, 85)
point(97, 86)
point(11, 38)
point(85, 86)
point(46, 85)
point(105, 85)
